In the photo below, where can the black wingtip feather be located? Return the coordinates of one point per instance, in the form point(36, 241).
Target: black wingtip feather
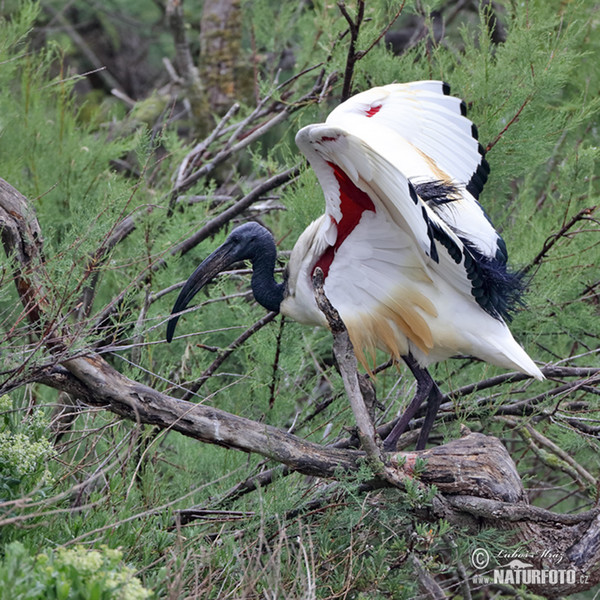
point(413, 193)
point(497, 289)
point(478, 179)
point(435, 192)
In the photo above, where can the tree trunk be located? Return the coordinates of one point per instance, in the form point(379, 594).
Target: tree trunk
point(224, 71)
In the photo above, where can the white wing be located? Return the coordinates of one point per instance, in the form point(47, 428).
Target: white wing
point(439, 144)
point(353, 174)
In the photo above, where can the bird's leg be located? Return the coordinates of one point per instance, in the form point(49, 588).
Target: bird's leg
point(433, 404)
point(426, 390)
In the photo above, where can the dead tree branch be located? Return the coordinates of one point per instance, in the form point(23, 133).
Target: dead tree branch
point(22, 241)
point(475, 474)
point(582, 215)
point(346, 359)
point(353, 55)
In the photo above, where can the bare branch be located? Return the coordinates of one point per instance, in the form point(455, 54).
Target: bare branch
point(212, 226)
point(225, 354)
point(583, 214)
point(512, 121)
point(426, 580)
point(22, 241)
point(353, 55)
point(475, 473)
point(104, 74)
point(208, 229)
point(346, 359)
point(558, 459)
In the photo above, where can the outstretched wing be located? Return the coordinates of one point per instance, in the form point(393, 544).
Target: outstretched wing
point(400, 272)
point(358, 180)
point(440, 145)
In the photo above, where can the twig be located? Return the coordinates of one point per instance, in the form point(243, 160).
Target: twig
point(346, 359)
point(527, 405)
point(225, 354)
point(353, 55)
point(514, 119)
point(426, 581)
point(210, 228)
point(274, 377)
point(582, 215)
point(137, 340)
point(463, 577)
point(188, 515)
point(250, 484)
point(550, 371)
point(118, 233)
point(242, 204)
point(507, 511)
point(194, 153)
point(383, 31)
point(108, 80)
point(561, 459)
point(227, 152)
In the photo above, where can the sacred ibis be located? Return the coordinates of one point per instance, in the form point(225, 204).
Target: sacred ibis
point(411, 261)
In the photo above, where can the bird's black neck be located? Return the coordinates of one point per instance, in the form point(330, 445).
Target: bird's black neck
point(266, 290)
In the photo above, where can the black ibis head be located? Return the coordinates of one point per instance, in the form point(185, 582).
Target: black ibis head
point(250, 241)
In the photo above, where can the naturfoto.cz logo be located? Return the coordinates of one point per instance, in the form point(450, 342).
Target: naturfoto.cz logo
point(517, 571)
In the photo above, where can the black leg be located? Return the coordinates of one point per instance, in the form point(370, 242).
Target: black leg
point(426, 390)
point(433, 404)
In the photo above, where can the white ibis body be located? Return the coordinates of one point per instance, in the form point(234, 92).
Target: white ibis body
point(411, 261)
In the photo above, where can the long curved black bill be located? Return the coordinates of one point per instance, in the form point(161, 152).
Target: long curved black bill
point(218, 261)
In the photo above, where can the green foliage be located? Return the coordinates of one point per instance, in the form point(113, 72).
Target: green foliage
point(68, 574)
point(24, 452)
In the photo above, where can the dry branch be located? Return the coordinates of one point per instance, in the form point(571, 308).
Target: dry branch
point(22, 241)
point(225, 354)
point(475, 464)
point(344, 353)
point(475, 474)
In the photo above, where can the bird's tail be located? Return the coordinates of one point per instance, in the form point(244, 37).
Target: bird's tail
point(513, 356)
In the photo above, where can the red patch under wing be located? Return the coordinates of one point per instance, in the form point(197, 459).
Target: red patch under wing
point(353, 202)
point(373, 110)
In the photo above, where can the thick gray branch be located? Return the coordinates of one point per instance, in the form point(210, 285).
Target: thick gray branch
point(346, 359)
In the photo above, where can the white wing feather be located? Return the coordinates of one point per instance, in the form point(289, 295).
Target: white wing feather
point(389, 189)
point(423, 116)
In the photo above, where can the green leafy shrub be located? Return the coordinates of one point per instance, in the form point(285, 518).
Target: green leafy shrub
point(68, 574)
point(24, 452)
